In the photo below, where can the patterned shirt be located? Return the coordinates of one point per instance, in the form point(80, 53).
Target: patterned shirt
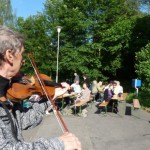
point(85, 95)
point(25, 120)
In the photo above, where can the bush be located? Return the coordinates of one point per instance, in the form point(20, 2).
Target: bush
point(143, 67)
point(144, 98)
point(130, 97)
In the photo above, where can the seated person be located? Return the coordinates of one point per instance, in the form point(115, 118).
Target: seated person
point(117, 91)
point(108, 94)
point(86, 80)
point(84, 95)
point(109, 84)
point(117, 88)
point(76, 87)
point(100, 87)
point(120, 89)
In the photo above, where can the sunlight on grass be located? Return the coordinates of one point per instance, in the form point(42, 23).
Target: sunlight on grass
point(144, 99)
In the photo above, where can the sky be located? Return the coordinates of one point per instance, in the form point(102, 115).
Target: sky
point(25, 8)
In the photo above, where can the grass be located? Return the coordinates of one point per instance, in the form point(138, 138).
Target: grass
point(144, 97)
point(144, 100)
point(130, 97)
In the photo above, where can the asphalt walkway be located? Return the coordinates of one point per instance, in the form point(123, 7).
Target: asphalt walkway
point(128, 131)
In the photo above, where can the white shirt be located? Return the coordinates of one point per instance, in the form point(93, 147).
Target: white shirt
point(76, 88)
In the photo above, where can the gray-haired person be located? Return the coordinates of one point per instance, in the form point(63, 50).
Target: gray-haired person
point(12, 118)
point(76, 77)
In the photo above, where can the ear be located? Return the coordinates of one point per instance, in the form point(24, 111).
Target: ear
point(9, 56)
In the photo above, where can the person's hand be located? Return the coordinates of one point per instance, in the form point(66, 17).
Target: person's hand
point(61, 91)
point(35, 98)
point(65, 85)
point(71, 142)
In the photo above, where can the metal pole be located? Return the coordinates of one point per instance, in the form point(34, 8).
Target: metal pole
point(58, 30)
point(57, 59)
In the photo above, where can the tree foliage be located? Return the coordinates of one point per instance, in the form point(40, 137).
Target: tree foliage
point(143, 66)
point(116, 44)
point(7, 17)
point(37, 42)
point(98, 37)
point(86, 25)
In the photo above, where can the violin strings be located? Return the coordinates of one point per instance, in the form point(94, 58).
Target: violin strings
point(56, 113)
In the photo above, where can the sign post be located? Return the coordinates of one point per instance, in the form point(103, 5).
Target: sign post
point(136, 83)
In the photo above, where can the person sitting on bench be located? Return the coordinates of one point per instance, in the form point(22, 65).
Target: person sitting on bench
point(84, 96)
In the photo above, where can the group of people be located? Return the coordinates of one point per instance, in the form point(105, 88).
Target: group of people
point(105, 91)
point(101, 91)
point(97, 89)
point(113, 88)
point(13, 119)
point(82, 93)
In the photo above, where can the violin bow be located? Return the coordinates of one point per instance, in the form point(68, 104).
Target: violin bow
point(54, 108)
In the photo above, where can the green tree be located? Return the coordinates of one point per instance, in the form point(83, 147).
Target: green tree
point(139, 38)
point(7, 17)
point(116, 46)
point(143, 67)
point(96, 36)
point(37, 43)
point(85, 25)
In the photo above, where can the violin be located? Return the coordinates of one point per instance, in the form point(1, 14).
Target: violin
point(16, 92)
point(23, 87)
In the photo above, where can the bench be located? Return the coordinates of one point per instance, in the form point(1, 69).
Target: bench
point(79, 105)
point(119, 99)
point(136, 107)
point(82, 103)
point(104, 105)
point(136, 104)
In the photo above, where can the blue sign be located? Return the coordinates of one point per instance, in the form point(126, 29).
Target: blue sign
point(136, 83)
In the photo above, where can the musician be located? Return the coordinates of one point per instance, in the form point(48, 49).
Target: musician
point(12, 118)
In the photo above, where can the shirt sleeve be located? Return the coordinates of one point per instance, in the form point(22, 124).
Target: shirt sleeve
point(40, 144)
point(8, 142)
point(32, 116)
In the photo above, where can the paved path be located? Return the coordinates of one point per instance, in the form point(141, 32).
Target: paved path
point(100, 132)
